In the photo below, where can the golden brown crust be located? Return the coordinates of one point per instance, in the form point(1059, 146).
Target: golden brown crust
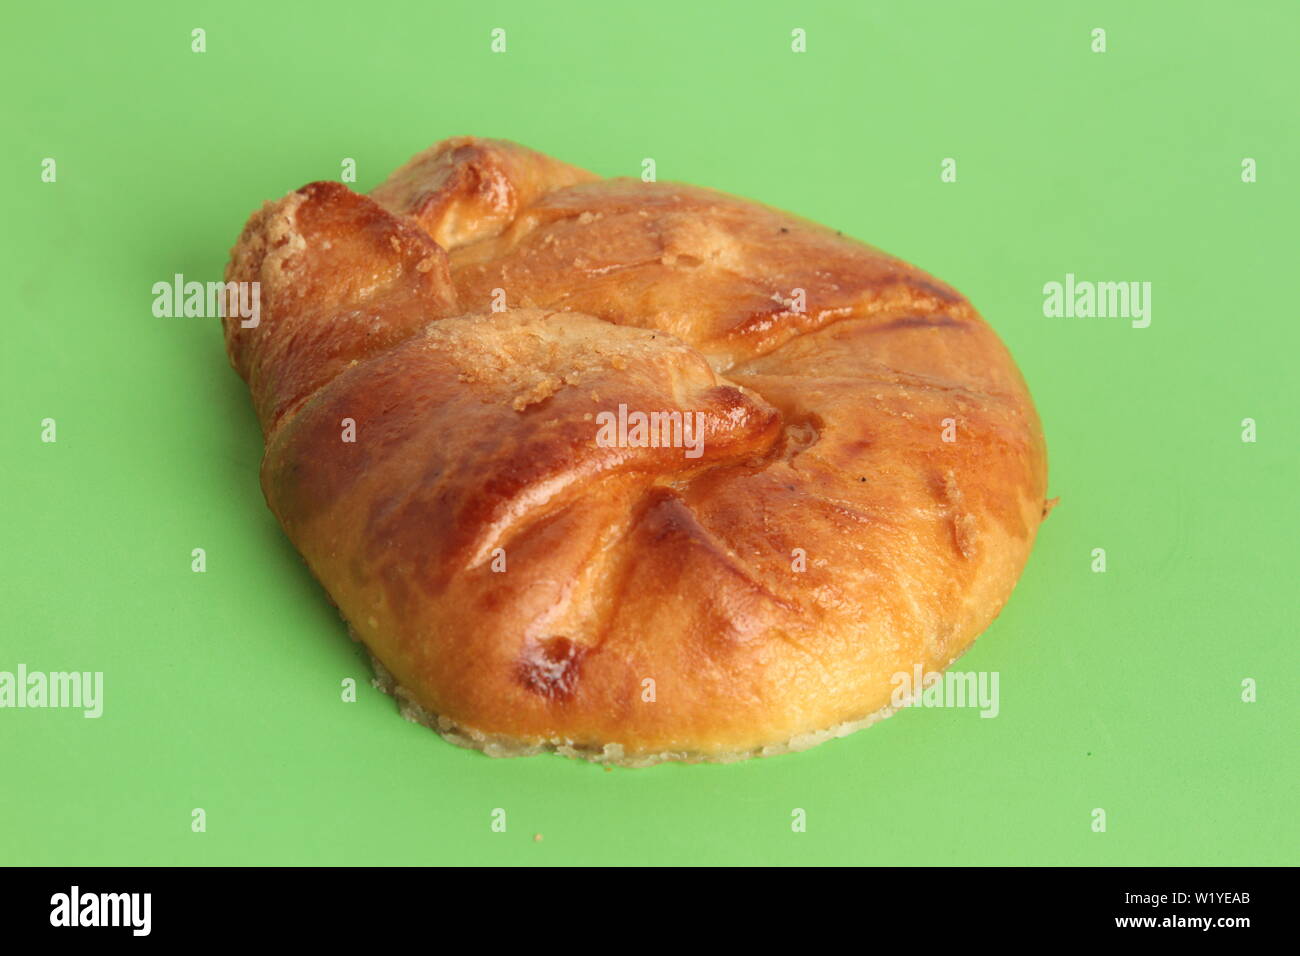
point(536, 589)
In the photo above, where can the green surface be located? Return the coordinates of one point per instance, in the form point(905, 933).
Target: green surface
point(1119, 690)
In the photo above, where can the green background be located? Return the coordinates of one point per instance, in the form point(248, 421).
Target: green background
point(1119, 690)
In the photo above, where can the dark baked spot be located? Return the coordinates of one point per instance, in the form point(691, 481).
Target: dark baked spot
point(937, 289)
point(550, 667)
point(919, 322)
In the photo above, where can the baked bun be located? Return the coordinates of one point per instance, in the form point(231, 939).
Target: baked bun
point(438, 369)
